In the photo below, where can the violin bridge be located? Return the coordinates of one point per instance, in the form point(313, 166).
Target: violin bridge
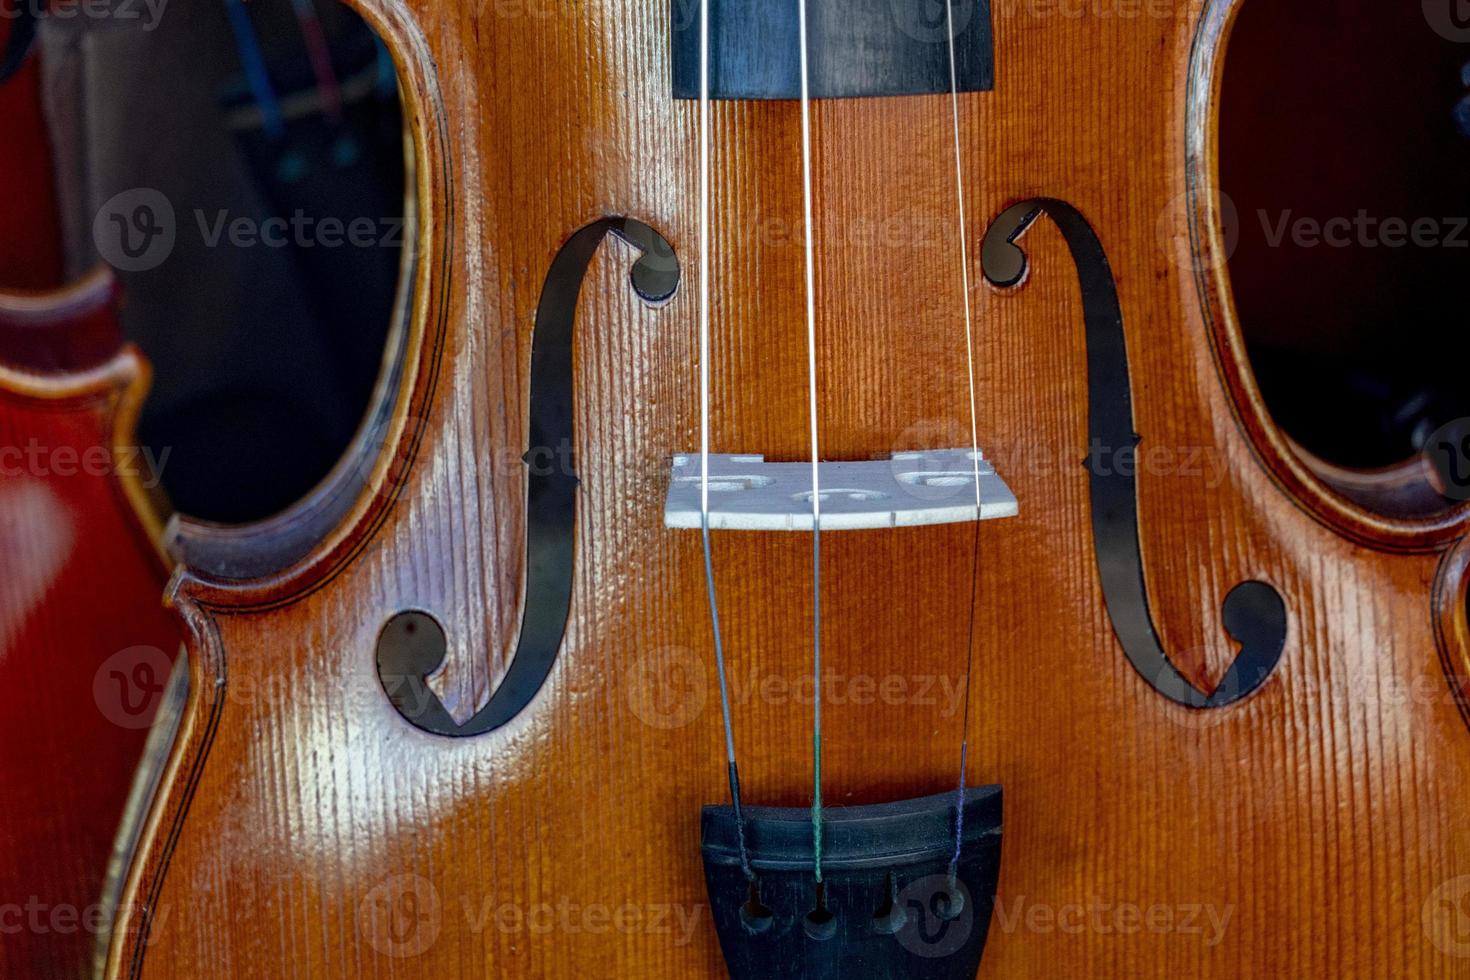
point(747, 493)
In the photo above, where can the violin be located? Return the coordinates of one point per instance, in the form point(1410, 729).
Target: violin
point(816, 519)
point(87, 647)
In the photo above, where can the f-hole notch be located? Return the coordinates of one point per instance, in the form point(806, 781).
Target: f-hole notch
point(412, 644)
point(1253, 612)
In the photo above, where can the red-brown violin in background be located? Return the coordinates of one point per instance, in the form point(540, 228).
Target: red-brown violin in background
point(86, 646)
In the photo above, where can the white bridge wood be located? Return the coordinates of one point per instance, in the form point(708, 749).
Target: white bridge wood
point(908, 489)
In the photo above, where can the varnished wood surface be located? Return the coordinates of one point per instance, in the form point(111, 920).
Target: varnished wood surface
point(81, 576)
point(1317, 829)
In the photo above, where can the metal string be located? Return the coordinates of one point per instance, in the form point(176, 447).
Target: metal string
point(810, 282)
point(704, 414)
point(811, 368)
point(959, 178)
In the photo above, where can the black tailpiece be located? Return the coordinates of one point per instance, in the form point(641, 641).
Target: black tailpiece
point(887, 908)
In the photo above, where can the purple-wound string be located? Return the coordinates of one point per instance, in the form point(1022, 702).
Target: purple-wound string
point(959, 816)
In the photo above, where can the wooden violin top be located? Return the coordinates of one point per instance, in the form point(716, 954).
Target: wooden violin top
point(538, 813)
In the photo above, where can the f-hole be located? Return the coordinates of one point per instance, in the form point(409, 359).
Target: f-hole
point(412, 645)
point(1253, 612)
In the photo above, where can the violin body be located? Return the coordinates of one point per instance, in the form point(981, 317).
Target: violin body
point(1301, 818)
point(85, 641)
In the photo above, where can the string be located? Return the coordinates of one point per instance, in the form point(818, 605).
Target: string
point(959, 178)
point(255, 70)
point(704, 414)
point(811, 368)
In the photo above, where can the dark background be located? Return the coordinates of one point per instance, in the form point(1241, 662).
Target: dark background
point(264, 357)
point(1329, 109)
